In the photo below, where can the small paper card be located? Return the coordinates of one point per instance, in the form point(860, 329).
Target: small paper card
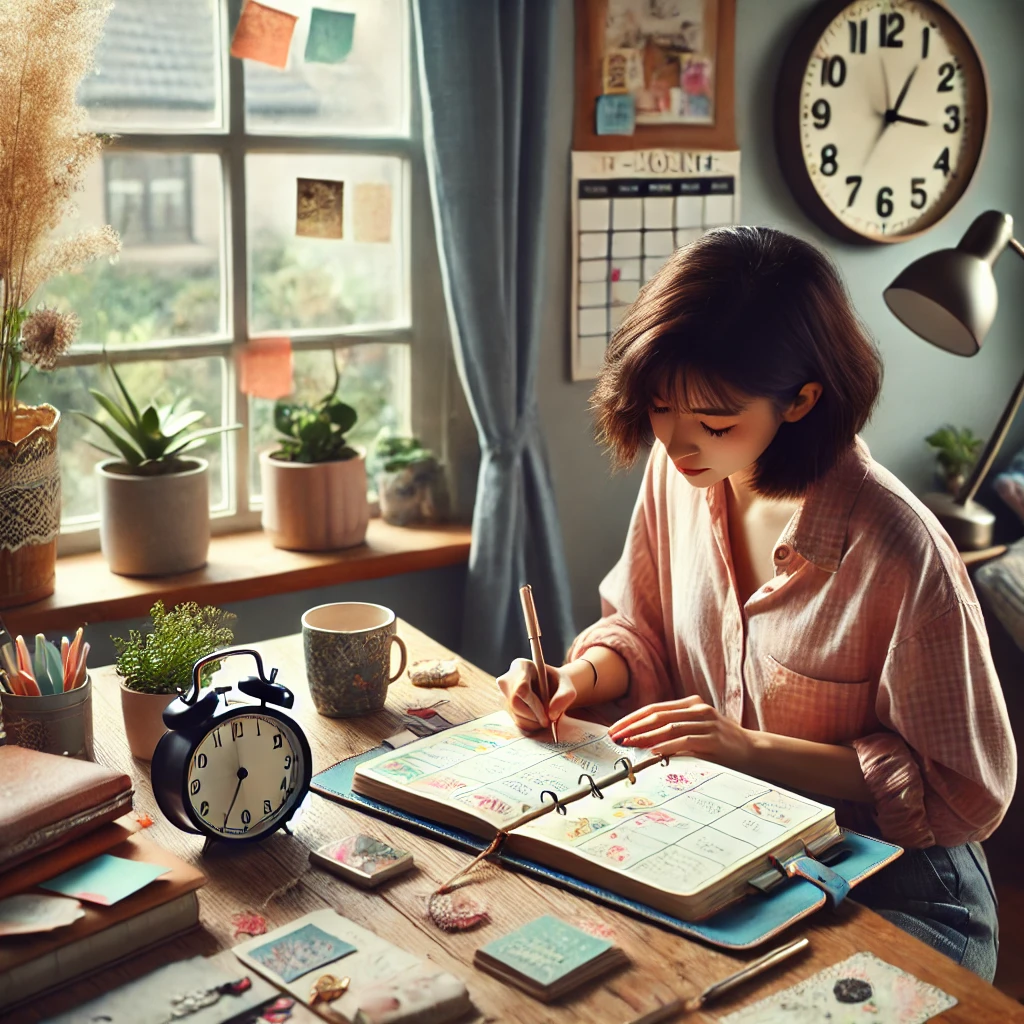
point(264, 34)
point(862, 988)
point(546, 949)
point(299, 952)
point(362, 858)
point(616, 114)
point(371, 211)
point(105, 879)
point(319, 208)
point(330, 36)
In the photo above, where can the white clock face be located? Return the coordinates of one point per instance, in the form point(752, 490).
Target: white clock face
point(244, 775)
point(886, 126)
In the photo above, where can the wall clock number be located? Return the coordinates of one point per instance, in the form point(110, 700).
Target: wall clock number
point(883, 202)
point(925, 34)
point(828, 160)
point(822, 114)
point(918, 196)
point(953, 124)
point(946, 73)
point(890, 28)
point(833, 71)
point(942, 164)
point(859, 36)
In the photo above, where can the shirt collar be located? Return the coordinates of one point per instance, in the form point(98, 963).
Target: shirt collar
point(818, 529)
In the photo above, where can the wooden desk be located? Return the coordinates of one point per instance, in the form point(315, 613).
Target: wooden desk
point(275, 878)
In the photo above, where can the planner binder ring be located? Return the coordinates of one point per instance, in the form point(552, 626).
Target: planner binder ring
point(627, 767)
point(559, 806)
point(593, 785)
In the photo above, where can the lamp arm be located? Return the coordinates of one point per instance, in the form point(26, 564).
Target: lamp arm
point(988, 455)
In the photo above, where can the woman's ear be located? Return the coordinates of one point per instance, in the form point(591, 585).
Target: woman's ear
point(803, 403)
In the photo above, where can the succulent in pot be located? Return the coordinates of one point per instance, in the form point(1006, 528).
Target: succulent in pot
point(157, 665)
point(314, 481)
point(410, 482)
point(153, 493)
point(956, 449)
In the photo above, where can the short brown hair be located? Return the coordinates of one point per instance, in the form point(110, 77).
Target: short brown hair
point(744, 311)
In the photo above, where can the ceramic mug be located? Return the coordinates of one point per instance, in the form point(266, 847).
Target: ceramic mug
point(348, 656)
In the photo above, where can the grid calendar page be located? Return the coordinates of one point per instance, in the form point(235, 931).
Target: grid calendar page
point(630, 212)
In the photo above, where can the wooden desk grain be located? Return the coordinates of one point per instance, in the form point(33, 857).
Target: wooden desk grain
point(275, 878)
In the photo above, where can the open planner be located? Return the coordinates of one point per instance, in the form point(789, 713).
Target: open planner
point(685, 836)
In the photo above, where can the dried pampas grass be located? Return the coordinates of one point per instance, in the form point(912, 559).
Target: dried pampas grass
point(46, 47)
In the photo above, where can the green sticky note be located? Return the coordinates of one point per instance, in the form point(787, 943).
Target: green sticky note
point(546, 949)
point(330, 36)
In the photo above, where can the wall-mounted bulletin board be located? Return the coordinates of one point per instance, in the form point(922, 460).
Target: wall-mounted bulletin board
point(654, 161)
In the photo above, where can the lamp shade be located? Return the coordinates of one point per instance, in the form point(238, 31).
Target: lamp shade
point(949, 297)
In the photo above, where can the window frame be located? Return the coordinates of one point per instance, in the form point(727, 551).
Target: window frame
point(427, 384)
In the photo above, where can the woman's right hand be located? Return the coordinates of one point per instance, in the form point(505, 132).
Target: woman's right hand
point(519, 686)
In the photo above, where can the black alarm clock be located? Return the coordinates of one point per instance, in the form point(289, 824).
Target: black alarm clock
point(236, 772)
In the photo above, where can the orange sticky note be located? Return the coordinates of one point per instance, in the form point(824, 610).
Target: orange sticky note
point(264, 34)
point(265, 369)
point(371, 212)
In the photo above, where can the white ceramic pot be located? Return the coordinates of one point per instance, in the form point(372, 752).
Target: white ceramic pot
point(143, 720)
point(154, 525)
point(314, 506)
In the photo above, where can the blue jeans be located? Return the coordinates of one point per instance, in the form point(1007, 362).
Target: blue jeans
point(944, 897)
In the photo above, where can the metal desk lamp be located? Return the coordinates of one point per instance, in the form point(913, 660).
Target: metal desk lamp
point(949, 298)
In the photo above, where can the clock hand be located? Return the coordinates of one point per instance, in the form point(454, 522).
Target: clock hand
point(911, 120)
point(891, 114)
point(242, 774)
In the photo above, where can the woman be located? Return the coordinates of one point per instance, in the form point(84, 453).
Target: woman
point(784, 605)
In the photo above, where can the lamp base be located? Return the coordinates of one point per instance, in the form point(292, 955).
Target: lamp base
point(969, 526)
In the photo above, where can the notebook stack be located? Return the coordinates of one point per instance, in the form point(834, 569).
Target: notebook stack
point(89, 890)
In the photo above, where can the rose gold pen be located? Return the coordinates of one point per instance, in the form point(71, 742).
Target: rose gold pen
point(533, 632)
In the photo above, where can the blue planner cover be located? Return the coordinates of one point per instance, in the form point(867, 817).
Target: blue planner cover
point(744, 924)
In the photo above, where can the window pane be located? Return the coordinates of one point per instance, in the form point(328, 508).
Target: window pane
point(374, 381)
point(167, 281)
point(363, 94)
point(303, 282)
point(157, 68)
point(202, 380)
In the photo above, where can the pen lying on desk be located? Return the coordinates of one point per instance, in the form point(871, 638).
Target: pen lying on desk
point(719, 988)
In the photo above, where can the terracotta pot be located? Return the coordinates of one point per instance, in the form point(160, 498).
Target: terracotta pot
point(143, 721)
point(315, 506)
point(29, 506)
point(154, 525)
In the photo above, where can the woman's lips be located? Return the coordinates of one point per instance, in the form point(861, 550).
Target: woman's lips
point(692, 472)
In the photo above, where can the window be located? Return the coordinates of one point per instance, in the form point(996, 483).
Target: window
point(201, 180)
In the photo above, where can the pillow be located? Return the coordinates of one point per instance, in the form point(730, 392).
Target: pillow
point(1009, 484)
point(1001, 581)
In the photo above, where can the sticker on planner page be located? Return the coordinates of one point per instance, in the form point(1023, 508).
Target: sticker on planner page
point(546, 949)
point(616, 114)
point(319, 206)
point(300, 952)
point(330, 36)
point(778, 808)
point(266, 368)
point(371, 212)
point(27, 913)
point(105, 879)
point(861, 988)
point(263, 34)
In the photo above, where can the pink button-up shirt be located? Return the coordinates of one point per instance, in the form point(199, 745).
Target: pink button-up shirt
point(870, 634)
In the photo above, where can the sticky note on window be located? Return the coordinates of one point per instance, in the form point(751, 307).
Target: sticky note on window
point(330, 36)
point(616, 114)
point(105, 879)
point(371, 212)
point(264, 34)
point(265, 368)
point(319, 208)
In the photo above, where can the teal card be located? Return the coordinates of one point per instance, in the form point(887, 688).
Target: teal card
point(330, 36)
point(546, 949)
point(616, 114)
point(105, 879)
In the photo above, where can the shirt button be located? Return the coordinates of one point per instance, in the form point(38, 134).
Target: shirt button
point(781, 553)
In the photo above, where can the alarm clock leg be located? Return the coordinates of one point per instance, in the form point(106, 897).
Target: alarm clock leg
point(206, 846)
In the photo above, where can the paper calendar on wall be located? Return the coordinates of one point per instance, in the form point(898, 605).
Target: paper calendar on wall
point(630, 211)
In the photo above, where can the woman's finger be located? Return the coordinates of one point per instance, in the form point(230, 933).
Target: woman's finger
point(694, 713)
point(668, 731)
point(649, 709)
point(562, 699)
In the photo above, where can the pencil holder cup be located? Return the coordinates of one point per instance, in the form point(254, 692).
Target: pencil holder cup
point(347, 646)
point(56, 723)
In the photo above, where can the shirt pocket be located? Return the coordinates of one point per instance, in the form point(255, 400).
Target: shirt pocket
point(814, 709)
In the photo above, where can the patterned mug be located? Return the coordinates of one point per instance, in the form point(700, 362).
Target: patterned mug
point(348, 656)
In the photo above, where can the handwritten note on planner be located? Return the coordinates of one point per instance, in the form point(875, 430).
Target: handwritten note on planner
point(690, 819)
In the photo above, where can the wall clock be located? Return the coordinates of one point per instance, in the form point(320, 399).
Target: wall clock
point(236, 772)
point(881, 115)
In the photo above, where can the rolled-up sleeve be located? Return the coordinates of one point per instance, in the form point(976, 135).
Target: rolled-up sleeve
point(945, 771)
point(633, 619)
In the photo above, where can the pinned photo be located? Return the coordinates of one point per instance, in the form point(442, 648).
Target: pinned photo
point(319, 208)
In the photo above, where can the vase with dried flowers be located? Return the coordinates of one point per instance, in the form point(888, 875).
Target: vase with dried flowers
point(46, 46)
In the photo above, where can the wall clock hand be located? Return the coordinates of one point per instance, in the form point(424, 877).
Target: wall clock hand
point(891, 114)
point(242, 774)
point(911, 120)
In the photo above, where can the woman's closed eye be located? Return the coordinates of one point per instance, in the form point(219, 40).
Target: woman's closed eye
point(716, 433)
point(660, 410)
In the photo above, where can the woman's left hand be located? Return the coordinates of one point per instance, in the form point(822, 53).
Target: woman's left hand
point(687, 726)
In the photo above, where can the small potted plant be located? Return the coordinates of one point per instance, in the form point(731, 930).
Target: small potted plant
point(956, 449)
point(155, 667)
point(314, 482)
point(410, 483)
point(153, 495)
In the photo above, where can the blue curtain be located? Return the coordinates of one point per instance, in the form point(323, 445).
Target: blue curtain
point(486, 81)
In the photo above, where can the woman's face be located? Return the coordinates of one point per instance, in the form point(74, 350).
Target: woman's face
point(708, 444)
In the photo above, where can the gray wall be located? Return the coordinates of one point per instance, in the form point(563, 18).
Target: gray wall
point(924, 387)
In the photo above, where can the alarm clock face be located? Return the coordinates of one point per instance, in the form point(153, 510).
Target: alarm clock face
point(245, 776)
point(892, 112)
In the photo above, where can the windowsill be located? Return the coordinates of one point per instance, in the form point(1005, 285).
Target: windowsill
point(241, 566)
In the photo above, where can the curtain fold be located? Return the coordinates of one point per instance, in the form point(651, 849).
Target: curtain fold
point(486, 79)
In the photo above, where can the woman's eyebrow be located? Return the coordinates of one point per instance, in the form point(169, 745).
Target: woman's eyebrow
point(735, 411)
